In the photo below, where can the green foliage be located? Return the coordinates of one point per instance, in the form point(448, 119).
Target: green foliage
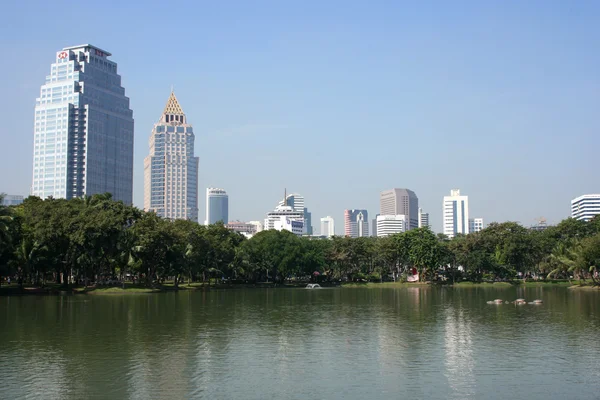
point(98, 240)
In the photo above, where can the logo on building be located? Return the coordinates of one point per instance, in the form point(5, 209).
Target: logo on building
point(63, 54)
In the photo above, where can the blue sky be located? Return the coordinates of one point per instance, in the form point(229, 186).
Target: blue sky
point(339, 100)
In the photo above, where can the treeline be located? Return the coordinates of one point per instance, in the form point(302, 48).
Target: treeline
point(96, 239)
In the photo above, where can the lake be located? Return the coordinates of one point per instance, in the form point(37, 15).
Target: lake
point(342, 343)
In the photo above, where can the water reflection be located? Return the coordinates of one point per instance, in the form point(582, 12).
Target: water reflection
point(417, 342)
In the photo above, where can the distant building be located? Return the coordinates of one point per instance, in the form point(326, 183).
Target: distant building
point(456, 214)
point(244, 228)
point(170, 169)
point(12, 200)
point(391, 224)
point(475, 225)
point(293, 212)
point(258, 224)
point(585, 207)
point(83, 135)
point(374, 226)
point(296, 201)
point(288, 224)
point(423, 219)
point(541, 225)
point(327, 226)
point(400, 202)
point(356, 223)
point(217, 206)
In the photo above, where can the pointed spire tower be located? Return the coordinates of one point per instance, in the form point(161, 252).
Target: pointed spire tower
point(173, 112)
point(170, 169)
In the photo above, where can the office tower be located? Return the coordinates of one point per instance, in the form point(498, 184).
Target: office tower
point(400, 202)
point(296, 201)
point(11, 200)
point(356, 223)
point(423, 219)
point(475, 225)
point(456, 214)
point(327, 226)
point(83, 137)
point(292, 208)
point(171, 170)
point(391, 224)
point(374, 226)
point(585, 207)
point(217, 206)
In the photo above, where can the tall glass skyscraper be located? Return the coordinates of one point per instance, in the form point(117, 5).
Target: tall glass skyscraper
point(171, 170)
point(217, 206)
point(83, 140)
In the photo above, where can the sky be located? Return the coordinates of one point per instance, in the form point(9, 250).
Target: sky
point(339, 100)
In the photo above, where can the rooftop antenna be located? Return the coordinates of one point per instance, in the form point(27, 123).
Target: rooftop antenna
point(172, 88)
point(285, 196)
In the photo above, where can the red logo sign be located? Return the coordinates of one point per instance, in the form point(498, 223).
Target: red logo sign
point(63, 54)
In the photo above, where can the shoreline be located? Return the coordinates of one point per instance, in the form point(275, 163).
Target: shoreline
point(56, 290)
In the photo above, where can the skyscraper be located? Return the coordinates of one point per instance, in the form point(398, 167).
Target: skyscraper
point(327, 226)
point(171, 170)
point(423, 219)
point(356, 223)
point(296, 201)
point(456, 214)
point(83, 137)
point(400, 202)
point(217, 206)
point(585, 207)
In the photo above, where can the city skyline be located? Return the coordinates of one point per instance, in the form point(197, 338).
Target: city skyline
point(474, 106)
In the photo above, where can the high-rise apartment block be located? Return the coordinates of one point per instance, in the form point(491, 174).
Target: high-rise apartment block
point(327, 226)
point(391, 224)
point(456, 214)
point(400, 202)
point(83, 135)
point(217, 206)
point(475, 225)
point(585, 207)
point(170, 169)
point(423, 219)
point(356, 223)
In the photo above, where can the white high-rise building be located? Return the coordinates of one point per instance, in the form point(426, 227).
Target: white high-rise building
point(296, 201)
point(287, 224)
point(585, 207)
point(423, 219)
point(83, 135)
point(391, 224)
point(456, 214)
point(170, 169)
point(217, 206)
point(327, 226)
point(293, 211)
point(475, 225)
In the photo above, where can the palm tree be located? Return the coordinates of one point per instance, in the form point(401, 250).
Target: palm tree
point(27, 255)
point(564, 259)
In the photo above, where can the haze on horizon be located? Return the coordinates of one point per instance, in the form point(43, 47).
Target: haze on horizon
point(339, 101)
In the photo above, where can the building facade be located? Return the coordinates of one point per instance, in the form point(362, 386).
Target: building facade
point(400, 202)
point(296, 201)
point(217, 206)
point(391, 224)
point(245, 228)
point(83, 135)
point(475, 225)
point(11, 200)
point(170, 169)
point(423, 219)
point(456, 214)
point(585, 207)
point(327, 226)
point(287, 224)
point(356, 223)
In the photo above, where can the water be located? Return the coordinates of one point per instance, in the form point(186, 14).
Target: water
point(417, 342)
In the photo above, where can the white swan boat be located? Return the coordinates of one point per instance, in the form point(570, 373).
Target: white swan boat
point(313, 286)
